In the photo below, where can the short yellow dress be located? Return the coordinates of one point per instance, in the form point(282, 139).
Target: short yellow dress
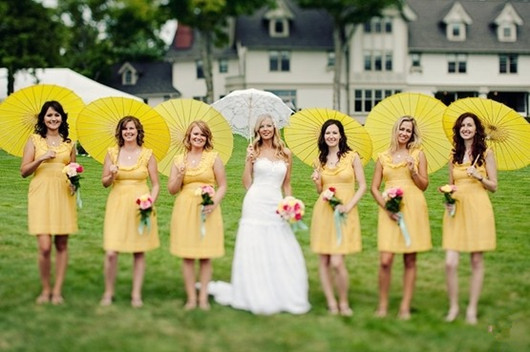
point(472, 229)
point(122, 216)
point(186, 240)
point(51, 206)
point(413, 208)
point(324, 238)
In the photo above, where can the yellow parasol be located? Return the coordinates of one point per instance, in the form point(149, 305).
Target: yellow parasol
point(179, 113)
point(18, 114)
point(97, 123)
point(508, 133)
point(304, 128)
point(426, 110)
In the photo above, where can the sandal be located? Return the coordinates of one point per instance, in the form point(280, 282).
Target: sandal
point(345, 310)
point(57, 300)
point(204, 306)
point(333, 309)
point(43, 298)
point(137, 303)
point(190, 305)
point(106, 301)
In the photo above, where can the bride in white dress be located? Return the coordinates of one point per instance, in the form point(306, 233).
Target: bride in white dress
point(268, 271)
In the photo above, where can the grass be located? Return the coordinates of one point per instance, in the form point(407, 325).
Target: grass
point(162, 325)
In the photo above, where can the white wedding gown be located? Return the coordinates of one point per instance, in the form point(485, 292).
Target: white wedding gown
point(268, 271)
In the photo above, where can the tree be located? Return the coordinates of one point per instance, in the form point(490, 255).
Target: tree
point(103, 32)
point(210, 19)
point(346, 14)
point(29, 37)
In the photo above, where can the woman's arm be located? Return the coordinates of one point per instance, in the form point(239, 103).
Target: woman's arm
point(73, 153)
point(249, 165)
point(361, 181)
point(220, 179)
point(152, 168)
point(109, 171)
point(29, 164)
point(490, 182)
point(419, 176)
point(176, 176)
point(287, 191)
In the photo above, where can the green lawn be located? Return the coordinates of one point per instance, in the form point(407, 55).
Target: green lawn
point(162, 325)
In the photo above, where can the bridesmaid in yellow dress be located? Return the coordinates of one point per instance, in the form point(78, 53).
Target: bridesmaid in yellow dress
point(127, 168)
point(403, 165)
point(51, 206)
point(472, 229)
point(198, 166)
point(338, 167)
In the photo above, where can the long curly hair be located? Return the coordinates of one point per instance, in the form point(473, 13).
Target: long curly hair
point(121, 126)
point(323, 147)
point(478, 147)
point(205, 129)
point(40, 126)
point(277, 144)
point(415, 138)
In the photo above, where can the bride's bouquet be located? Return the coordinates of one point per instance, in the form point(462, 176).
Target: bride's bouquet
point(393, 198)
point(292, 210)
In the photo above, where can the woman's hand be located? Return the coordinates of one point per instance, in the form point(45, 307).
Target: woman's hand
point(250, 154)
point(181, 169)
point(472, 172)
point(411, 165)
point(393, 216)
point(315, 176)
point(207, 209)
point(50, 154)
point(342, 208)
point(450, 208)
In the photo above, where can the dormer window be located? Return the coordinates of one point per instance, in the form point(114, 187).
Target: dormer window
point(279, 27)
point(278, 18)
point(456, 22)
point(129, 75)
point(507, 23)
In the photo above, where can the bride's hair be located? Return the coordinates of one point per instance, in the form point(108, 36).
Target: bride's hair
point(277, 144)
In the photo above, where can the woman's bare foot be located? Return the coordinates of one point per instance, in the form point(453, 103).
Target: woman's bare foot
point(44, 297)
point(190, 305)
point(57, 299)
point(452, 314)
point(345, 310)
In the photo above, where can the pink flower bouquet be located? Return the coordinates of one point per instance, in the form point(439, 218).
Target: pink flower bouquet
point(329, 196)
point(72, 172)
point(393, 198)
point(206, 193)
point(292, 210)
point(145, 206)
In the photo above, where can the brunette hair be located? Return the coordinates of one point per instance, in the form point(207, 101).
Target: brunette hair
point(415, 138)
point(40, 126)
point(478, 147)
point(205, 129)
point(121, 126)
point(323, 147)
point(277, 144)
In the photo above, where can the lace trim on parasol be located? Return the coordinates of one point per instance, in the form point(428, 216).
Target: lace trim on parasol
point(41, 143)
point(207, 161)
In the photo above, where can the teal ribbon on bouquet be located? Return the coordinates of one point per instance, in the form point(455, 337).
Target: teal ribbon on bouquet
point(298, 226)
point(338, 218)
point(78, 198)
point(403, 228)
point(203, 220)
point(145, 222)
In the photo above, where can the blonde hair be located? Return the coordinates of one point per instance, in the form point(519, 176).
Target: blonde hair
point(415, 138)
point(203, 126)
point(277, 144)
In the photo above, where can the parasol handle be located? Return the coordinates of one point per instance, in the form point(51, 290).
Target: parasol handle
point(476, 159)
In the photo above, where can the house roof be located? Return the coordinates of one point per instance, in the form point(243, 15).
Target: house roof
point(428, 32)
point(309, 29)
point(153, 78)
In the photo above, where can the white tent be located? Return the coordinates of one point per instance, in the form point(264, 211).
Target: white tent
point(88, 89)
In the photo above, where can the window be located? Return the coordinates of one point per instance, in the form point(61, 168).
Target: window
point(507, 63)
point(199, 69)
point(378, 61)
point(378, 25)
point(448, 97)
point(457, 63)
point(223, 65)
point(279, 27)
point(366, 99)
point(287, 96)
point(388, 25)
point(331, 59)
point(128, 78)
point(456, 31)
point(507, 33)
point(514, 100)
point(279, 61)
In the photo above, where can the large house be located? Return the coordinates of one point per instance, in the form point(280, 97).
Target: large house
point(445, 48)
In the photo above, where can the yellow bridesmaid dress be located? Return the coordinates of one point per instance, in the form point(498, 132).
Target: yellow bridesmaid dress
point(413, 208)
point(122, 216)
point(323, 232)
point(51, 206)
point(186, 240)
point(472, 229)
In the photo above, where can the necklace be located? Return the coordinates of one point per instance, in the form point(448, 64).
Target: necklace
point(54, 142)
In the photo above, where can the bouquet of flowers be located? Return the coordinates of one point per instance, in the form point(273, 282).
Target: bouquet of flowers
point(338, 217)
point(448, 190)
point(145, 206)
point(292, 210)
point(206, 193)
point(72, 172)
point(393, 198)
